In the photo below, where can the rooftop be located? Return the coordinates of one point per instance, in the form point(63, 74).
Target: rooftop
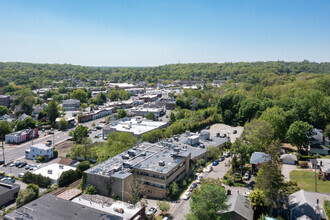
point(42, 146)
point(5, 187)
point(240, 205)
point(56, 170)
point(53, 208)
point(108, 205)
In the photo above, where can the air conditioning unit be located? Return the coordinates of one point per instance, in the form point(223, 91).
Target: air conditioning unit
point(161, 163)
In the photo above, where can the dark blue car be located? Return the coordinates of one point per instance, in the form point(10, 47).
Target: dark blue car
point(216, 162)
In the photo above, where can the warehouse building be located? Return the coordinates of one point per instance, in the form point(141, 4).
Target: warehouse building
point(136, 126)
point(8, 192)
point(21, 136)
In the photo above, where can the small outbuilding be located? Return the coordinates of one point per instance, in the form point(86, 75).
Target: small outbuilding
point(289, 159)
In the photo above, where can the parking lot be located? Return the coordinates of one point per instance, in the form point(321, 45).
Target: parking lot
point(16, 170)
point(226, 129)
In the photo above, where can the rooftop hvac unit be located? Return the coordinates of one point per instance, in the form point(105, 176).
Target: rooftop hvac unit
point(127, 165)
point(176, 149)
point(50, 171)
point(125, 156)
point(202, 146)
point(143, 154)
point(161, 163)
point(131, 153)
point(61, 166)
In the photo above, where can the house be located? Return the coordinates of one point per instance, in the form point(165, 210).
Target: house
point(304, 206)
point(257, 158)
point(5, 100)
point(323, 165)
point(71, 104)
point(6, 118)
point(8, 192)
point(38, 150)
point(319, 144)
point(22, 117)
point(289, 159)
point(239, 208)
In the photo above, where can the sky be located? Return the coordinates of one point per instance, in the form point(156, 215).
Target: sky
point(158, 32)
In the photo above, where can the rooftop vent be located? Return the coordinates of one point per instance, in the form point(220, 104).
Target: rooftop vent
point(61, 166)
point(125, 156)
point(50, 171)
point(202, 146)
point(161, 163)
point(127, 165)
point(176, 149)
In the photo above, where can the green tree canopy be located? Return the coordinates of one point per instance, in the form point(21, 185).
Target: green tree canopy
point(27, 122)
point(277, 118)
point(151, 116)
point(3, 110)
point(297, 134)
point(79, 94)
point(79, 133)
point(52, 110)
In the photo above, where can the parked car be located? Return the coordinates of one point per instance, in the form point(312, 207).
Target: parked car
point(215, 163)
point(199, 178)
point(227, 154)
point(186, 196)
point(17, 163)
point(207, 127)
point(247, 175)
point(223, 136)
point(20, 175)
point(235, 132)
point(208, 169)
point(49, 142)
point(152, 211)
point(222, 158)
point(192, 187)
point(2, 162)
point(22, 164)
point(27, 166)
point(50, 132)
point(246, 194)
point(12, 164)
point(217, 134)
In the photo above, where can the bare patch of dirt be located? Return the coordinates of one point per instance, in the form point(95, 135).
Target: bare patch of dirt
point(64, 148)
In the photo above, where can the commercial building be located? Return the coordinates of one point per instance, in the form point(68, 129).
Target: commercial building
point(158, 112)
point(95, 114)
point(150, 97)
point(53, 171)
point(71, 104)
point(8, 192)
point(40, 149)
point(51, 207)
point(21, 136)
point(135, 126)
point(135, 91)
point(121, 85)
point(5, 100)
point(155, 165)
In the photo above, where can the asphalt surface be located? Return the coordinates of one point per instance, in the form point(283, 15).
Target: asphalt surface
point(17, 152)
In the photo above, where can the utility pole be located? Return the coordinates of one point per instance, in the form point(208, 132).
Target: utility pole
point(315, 178)
point(3, 150)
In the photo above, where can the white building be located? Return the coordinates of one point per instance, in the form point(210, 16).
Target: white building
point(135, 126)
point(144, 111)
point(40, 150)
point(53, 171)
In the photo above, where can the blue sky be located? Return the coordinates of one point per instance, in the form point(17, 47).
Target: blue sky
point(157, 32)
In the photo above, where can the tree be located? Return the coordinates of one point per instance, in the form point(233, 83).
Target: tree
point(249, 109)
point(5, 128)
point(207, 201)
point(277, 118)
point(121, 114)
point(269, 178)
point(257, 198)
point(52, 111)
point(79, 94)
point(163, 206)
point(27, 104)
point(173, 190)
point(327, 131)
point(63, 124)
point(136, 189)
point(25, 196)
point(3, 110)
point(27, 122)
point(213, 152)
point(35, 188)
point(151, 116)
point(90, 189)
point(172, 117)
point(67, 177)
point(83, 106)
point(297, 134)
point(79, 133)
point(200, 162)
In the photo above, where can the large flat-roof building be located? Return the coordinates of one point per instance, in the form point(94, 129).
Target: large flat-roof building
point(145, 111)
point(8, 192)
point(51, 207)
point(135, 126)
point(155, 165)
point(71, 104)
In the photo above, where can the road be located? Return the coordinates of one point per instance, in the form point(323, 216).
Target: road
point(17, 152)
point(179, 210)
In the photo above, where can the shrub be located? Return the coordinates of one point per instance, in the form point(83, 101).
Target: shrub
point(85, 165)
point(35, 189)
point(55, 154)
point(37, 179)
point(67, 177)
point(303, 164)
point(25, 196)
point(91, 190)
point(41, 159)
point(304, 158)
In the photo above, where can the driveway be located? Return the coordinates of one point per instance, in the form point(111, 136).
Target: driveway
point(286, 170)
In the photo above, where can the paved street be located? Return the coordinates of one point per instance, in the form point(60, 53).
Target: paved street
point(180, 209)
point(17, 152)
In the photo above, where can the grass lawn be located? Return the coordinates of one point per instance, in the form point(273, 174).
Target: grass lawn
point(306, 181)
